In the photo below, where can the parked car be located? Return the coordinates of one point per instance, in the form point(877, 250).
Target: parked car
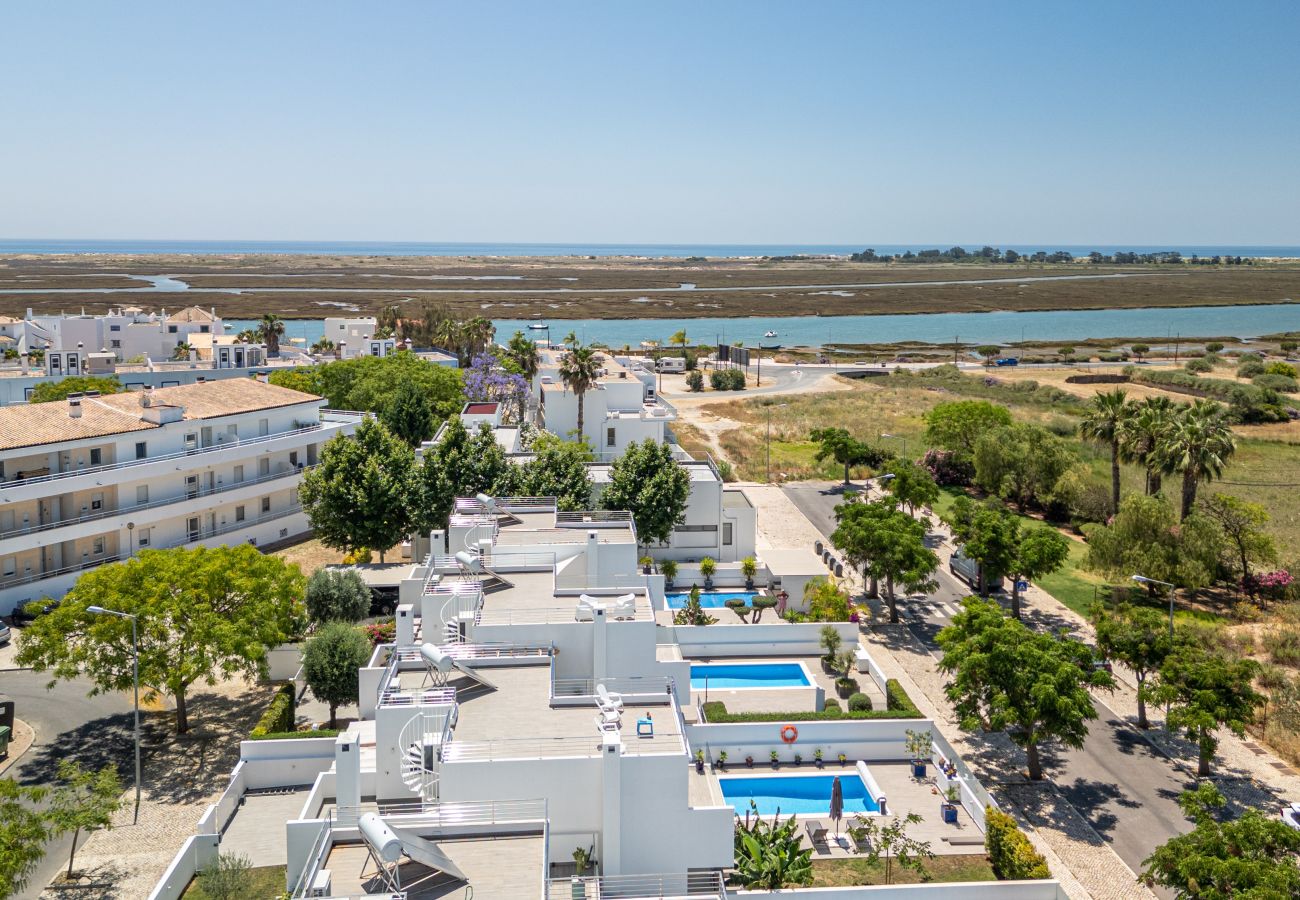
point(5, 633)
point(34, 610)
point(1006, 361)
point(968, 570)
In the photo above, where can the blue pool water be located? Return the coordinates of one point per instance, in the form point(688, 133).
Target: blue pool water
point(711, 599)
point(720, 676)
point(803, 794)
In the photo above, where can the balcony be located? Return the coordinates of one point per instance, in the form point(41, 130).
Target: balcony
point(637, 887)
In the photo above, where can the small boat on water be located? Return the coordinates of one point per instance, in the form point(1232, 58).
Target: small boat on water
point(538, 326)
point(770, 334)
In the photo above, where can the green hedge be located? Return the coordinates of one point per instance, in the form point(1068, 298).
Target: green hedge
point(715, 711)
point(280, 716)
point(294, 735)
point(1012, 855)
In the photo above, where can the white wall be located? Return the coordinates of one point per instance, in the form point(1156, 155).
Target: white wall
point(197, 853)
point(971, 890)
point(285, 763)
point(867, 739)
point(763, 639)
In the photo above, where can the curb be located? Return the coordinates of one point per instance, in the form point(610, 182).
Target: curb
point(24, 738)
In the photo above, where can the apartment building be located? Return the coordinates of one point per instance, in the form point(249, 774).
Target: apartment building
point(622, 408)
point(95, 479)
point(127, 333)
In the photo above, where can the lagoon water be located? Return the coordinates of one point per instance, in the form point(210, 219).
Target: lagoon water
point(936, 328)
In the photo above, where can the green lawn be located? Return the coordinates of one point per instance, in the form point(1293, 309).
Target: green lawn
point(856, 871)
point(264, 881)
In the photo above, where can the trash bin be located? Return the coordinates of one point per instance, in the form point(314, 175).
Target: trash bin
point(4, 740)
point(817, 547)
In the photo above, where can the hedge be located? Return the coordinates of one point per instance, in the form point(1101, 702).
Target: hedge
point(294, 735)
point(1097, 379)
point(900, 707)
point(280, 715)
point(1012, 855)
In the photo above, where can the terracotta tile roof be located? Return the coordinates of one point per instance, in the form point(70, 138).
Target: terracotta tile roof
point(35, 424)
point(192, 314)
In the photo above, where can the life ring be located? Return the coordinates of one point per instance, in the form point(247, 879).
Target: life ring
point(789, 734)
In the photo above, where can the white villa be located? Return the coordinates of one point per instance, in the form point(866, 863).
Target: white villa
point(95, 478)
point(623, 408)
point(126, 333)
point(536, 701)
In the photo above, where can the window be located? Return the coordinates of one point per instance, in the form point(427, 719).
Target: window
point(114, 327)
point(96, 456)
point(141, 449)
point(204, 329)
point(610, 440)
point(96, 501)
point(266, 504)
point(171, 329)
point(263, 427)
point(239, 474)
point(144, 537)
point(695, 528)
point(117, 345)
point(10, 566)
point(142, 494)
point(239, 513)
point(726, 534)
point(191, 441)
point(263, 467)
point(97, 546)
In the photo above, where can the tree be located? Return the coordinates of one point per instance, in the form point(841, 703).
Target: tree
point(323, 347)
point(330, 662)
point(1039, 550)
point(1206, 691)
point(679, 338)
point(182, 351)
point(889, 545)
point(1138, 637)
point(651, 485)
point(24, 832)
point(367, 383)
point(358, 495)
point(203, 613)
point(989, 533)
point(1141, 350)
point(487, 381)
point(48, 391)
point(1254, 855)
point(893, 843)
point(1141, 434)
point(523, 353)
point(579, 370)
point(839, 445)
point(1288, 347)
point(85, 801)
point(692, 612)
point(229, 877)
point(335, 595)
point(1104, 424)
point(957, 425)
point(1022, 463)
point(770, 855)
point(1198, 445)
point(911, 485)
point(559, 469)
point(989, 352)
point(409, 415)
point(1145, 538)
point(1006, 676)
point(270, 330)
point(1242, 524)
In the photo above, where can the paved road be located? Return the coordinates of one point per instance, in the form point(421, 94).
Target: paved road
point(96, 730)
point(1120, 783)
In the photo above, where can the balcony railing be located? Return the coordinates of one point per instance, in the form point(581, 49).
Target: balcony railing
point(184, 454)
point(451, 813)
point(155, 504)
point(641, 687)
point(637, 887)
point(395, 696)
point(521, 748)
point(581, 581)
point(593, 518)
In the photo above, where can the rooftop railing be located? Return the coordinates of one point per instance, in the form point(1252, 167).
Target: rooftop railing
point(637, 887)
point(396, 696)
point(633, 685)
point(184, 454)
point(581, 581)
point(595, 518)
point(452, 813)
point(521, 748)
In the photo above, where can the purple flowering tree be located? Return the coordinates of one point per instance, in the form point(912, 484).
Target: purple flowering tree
point(487, 382)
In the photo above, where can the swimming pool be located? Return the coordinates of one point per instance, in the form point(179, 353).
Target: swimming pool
point(728, 676)
point(711, 599)
point(802, 794)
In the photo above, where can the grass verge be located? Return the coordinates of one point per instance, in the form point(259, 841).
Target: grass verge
point(857, 871)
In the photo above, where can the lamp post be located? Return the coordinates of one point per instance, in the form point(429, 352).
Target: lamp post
point(1142, 579)
point(885, 434)
point(135, 676)
point(769, 438)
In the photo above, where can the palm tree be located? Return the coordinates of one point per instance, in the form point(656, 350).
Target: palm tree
point(270, 329)
point(523, 353)
point(182, 351)
point(322, 347)
point(579, 369)
point(1103, 424)
point(476, 335)
point(679, 338)
point(1141, 434)
point(1198, 445)
point(248, 336)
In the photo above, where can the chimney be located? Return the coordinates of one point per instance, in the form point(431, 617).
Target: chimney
point(74, 406)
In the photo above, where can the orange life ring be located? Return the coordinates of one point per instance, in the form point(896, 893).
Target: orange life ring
point(789, 734)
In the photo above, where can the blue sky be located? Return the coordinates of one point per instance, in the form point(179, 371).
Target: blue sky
point(857, 122)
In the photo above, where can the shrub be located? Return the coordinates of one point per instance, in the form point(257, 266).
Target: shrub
point(358, 557)
point(1012, 855)
point(896, 700)
point(695, 381)
point(296, 735)
point(1277, 367)
point(715, 713)
point(337, 595)
point(1273, 382)
point(947, 468)
point(1283, 646)
point(832, 704)
point(228, 878)
point(859, 702)
point(724, 469)
point(1199, 366)
point(1250, 368)
point(280, 714)
point(381, 632)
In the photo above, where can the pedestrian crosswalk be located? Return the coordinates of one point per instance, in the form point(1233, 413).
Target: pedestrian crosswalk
point(931, 609)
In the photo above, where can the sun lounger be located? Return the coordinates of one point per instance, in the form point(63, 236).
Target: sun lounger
point(816, 831)
point(607, 700)
point(623, 607)
point(608, 720)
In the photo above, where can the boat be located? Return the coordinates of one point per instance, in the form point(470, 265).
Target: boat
point(770, 334)
point(538, 326)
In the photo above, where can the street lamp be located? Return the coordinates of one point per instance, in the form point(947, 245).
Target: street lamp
point(135, 674)
point(885, 434)
point(1142, 579)
point(769, 437)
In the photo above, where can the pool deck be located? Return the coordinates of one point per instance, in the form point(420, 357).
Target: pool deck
point(904, 793)
point(780, 699)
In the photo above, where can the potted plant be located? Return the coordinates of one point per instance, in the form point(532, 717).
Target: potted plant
point(708, 566)
point(843, 759)
point(749, 761)
point(762, 602)
point(722, 760)
point(798, 759)
point(948, 808)
point(699, 761)
point(582, 859)
point(918, 748)
point(831, 642)
point(749, 568)
point(739, 607)
point(646, 563)
point(669, 568)
point(774, 759)
point(817, 757)
point(845, 686)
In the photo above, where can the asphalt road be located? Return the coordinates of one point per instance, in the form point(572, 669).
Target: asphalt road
point(96, 730)
point(1125, 788)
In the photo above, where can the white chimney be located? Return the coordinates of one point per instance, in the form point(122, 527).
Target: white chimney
point(74, 407)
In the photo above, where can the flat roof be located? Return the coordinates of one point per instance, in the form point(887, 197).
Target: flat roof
point(499, 868)
point(783, 561)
